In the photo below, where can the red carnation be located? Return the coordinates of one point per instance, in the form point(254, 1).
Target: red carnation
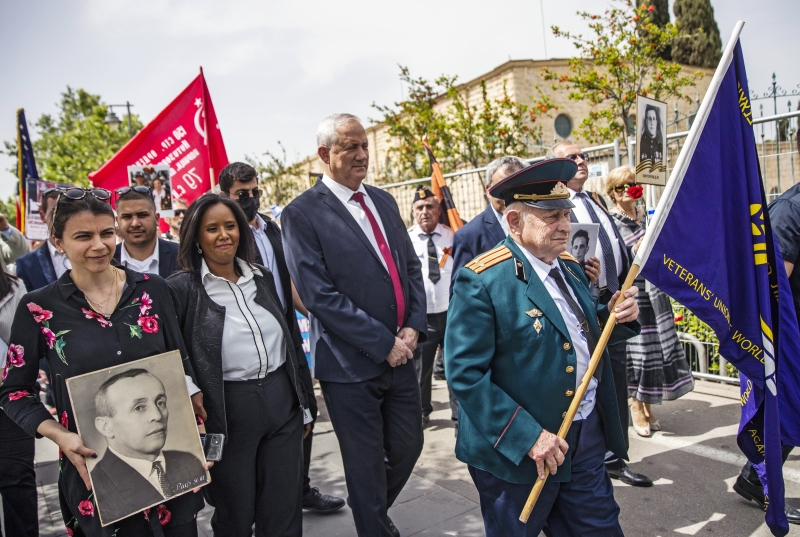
point(164, 515)
point(15, 354)
point(635, 191)
point(86, 508)
point(149, 324)
point(39, 315)
point(13, 396)
point(49, 336)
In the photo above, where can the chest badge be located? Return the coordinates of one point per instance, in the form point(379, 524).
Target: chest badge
point(534, 313)
point(537, 325)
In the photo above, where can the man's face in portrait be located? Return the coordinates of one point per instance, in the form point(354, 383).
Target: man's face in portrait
point(137, 424)
point(580, 245)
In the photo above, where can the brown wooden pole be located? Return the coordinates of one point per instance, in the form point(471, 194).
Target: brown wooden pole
point(579, 393)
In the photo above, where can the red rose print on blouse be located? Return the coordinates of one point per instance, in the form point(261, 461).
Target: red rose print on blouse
point(145, 304)
point(149, 324)
point(14, 396)
point(164, 516)
point(39, 315)
point(69, 531)
point(5, 370)
point(15, 355)
point(86, 508)
point(92, 315)
point(146, 277)
point(49, 337)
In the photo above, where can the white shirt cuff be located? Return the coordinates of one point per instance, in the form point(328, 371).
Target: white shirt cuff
point(190, 386)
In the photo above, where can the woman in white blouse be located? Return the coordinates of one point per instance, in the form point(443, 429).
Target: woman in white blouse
point(246, 350)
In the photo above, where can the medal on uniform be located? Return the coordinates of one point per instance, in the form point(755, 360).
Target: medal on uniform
point(534, 313)
point(537, 325)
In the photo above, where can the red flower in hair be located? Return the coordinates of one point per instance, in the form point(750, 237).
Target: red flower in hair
point(635, 191)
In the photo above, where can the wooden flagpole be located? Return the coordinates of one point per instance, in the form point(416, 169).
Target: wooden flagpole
point(597, 355)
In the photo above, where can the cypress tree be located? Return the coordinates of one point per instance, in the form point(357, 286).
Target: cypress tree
point(700, 43)
point(660, 17)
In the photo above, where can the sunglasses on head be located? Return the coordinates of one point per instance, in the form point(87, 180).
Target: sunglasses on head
point(619, 189)
point(583, 156)
point(141, 189)
point(77, 193)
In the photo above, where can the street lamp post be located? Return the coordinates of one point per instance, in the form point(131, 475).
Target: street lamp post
point(113, 121)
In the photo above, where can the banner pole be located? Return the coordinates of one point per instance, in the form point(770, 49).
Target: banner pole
point(597, 355)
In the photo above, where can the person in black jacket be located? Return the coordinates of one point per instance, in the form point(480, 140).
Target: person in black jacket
point(247, 353)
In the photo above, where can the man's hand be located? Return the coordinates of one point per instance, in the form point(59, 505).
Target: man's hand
point(409, 337)
point(628, 309)
point(549, 449)
point(399, 354)
point(3, 223)
point(197, 405)
point(307, 428)
point(592, 269)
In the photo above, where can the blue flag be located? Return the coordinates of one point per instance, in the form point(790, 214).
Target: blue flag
point(26, 166)
point(711, 247)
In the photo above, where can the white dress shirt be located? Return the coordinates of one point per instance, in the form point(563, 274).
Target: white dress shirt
point(583, 217)
point(437, 295)
point(344, 194)
point(149, 265)
point(502, 219)
point(267, 254)
point(144, 467)
point(252, 338)
point(60, 261)
point(579, 342)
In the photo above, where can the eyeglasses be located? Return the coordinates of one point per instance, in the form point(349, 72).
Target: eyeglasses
point(619, 189)
point(141, 189)
point(76, 193)
point(179, 212)
point(584, 157)
point(244, 194)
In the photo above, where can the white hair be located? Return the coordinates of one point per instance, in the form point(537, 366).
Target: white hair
point(507, 163)
point(326, 132)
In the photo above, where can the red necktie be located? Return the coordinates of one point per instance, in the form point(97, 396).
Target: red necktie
point(387, 257)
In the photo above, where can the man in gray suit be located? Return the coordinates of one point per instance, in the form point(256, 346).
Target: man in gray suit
point(356, 272)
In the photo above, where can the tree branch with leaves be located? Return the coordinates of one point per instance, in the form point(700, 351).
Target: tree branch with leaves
point(280, 181)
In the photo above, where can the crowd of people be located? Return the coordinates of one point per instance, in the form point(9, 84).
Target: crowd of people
point(500, 299)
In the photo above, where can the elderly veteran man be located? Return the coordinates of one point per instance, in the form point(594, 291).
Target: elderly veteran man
point(521, 328)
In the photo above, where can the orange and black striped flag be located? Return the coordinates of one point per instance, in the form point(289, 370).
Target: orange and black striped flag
point(440, 189)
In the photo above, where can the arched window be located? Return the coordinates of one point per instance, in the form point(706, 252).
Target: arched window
point(563, 125)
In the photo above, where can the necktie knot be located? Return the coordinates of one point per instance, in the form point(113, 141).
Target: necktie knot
point(358, 196)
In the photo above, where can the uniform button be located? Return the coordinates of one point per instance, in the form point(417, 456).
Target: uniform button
point(564, 415)
point(119, 353)
point(570, 393)
point(570, 369)
point(392, 307)
point(386, 278)
point(567, 346)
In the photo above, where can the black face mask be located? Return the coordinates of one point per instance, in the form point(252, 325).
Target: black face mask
point(250, 207)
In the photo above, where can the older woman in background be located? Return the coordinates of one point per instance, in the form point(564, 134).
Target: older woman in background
point(657, 366)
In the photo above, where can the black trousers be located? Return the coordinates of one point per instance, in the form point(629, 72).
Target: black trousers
point(307, 441)
point(17, 480)
point(619, 369)
point(425, 356)
point(377, 423)
point(259, 478)
point(749, 472)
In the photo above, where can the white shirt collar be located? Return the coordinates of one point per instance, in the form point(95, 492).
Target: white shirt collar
point(52, 248)
point(260, 224)
point(541, 268)
point(418, 230)
point(247, 273)
point(340, 191)
point(127, 260)
point(142, 466)
point(573, 193)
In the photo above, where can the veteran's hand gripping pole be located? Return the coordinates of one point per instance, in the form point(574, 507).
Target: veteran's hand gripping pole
point(597, 355)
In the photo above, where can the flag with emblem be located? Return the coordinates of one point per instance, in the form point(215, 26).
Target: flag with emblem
point(732, 275)
point(449, 215)
point(26, 166)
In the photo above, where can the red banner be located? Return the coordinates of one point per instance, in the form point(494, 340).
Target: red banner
point(185, 136)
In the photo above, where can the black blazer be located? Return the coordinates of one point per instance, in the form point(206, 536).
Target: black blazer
point(36, 268)
point(121, 491)
point(344, 285)
point(202, 321)
point(480, 235)
point(167, 257)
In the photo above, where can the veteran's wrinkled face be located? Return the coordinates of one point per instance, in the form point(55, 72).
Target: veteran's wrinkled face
point(544, 233)
point(426, 213)
point(347, 160)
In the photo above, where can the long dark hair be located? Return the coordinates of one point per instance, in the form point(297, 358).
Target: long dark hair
point(188, 256)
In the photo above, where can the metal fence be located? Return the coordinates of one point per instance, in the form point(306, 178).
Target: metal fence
point(777, 147)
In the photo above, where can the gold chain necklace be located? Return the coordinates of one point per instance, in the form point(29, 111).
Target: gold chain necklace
point(96, 307)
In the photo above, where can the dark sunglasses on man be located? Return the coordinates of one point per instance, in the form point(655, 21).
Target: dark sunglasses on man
point(583, 156)
point(244, 194)
point(179, 212)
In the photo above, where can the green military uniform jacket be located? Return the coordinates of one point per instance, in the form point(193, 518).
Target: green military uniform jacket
point(512, 381)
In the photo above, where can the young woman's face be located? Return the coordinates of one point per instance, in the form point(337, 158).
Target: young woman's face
point(218, 236)
point(89, 241)
point(652, 123)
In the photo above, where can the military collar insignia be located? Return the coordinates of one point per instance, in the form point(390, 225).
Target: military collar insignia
point(519, 270)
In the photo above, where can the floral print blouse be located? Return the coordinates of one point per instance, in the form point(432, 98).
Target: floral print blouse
point(57, 323)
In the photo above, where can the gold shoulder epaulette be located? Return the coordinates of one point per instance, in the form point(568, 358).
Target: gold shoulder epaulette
point(489, 259)
point(567, 257)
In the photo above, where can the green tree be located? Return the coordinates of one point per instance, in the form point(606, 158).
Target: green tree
point(8, 208)
point(622, 59)
point(700, 43)
point(75, 142)
point(660, 17)
point(461, 132)
point(280, 181)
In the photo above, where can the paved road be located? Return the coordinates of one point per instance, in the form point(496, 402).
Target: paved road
point(693, 462)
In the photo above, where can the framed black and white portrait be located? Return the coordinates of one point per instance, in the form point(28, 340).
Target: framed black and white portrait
point(651, 141)
point(583, 241)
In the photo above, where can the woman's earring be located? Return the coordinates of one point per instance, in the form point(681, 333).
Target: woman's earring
point(199, 250)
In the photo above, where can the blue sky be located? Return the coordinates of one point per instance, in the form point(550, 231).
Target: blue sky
point(275, 69)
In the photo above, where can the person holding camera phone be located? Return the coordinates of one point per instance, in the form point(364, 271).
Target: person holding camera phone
point(246, 350)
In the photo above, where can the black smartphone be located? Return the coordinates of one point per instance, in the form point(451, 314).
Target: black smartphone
point(212, 446)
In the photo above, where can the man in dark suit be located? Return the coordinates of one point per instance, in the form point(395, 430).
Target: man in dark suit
point(141, 249)
point(135, 472)
point(239, 181)
point(45, 264)
point(356, 271)
point(615, 260)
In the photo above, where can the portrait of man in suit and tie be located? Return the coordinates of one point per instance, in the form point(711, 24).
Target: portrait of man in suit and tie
point(136, 472)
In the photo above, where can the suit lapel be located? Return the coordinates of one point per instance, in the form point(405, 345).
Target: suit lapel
point(495, 229)
point(537, 293)
point(165, 260)
point(338, 207)
point(46, 262)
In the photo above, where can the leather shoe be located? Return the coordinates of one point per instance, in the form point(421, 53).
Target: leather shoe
point(629, 477)
point(392, 529)
point(755, 492)
point(316, 501)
